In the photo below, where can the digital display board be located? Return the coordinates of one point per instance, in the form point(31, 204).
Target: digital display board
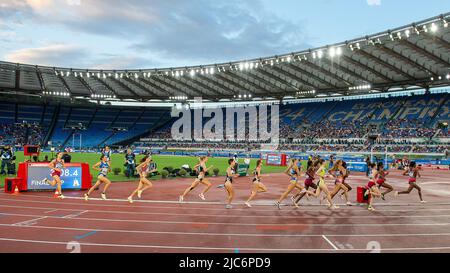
point(71, 177)
point(274, 160)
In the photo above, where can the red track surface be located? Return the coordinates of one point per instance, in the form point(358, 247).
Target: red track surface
point(36, 222)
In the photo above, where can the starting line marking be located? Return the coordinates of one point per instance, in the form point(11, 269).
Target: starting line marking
point(29, 222)
point(75, 214)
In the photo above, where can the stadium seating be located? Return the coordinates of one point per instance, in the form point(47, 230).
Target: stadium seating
point(339, 125)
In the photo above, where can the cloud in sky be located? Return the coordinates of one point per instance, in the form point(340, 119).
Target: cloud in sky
point(48, 55)
point(166, 31)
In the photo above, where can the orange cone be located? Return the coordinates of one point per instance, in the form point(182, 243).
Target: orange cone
point(16, 190)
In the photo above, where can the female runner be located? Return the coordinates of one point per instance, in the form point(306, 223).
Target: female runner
point(371, 189)
point(413, 173)
point(339, 173)
point(103, 167)
point(257, 186)
point(381, 181)
point(201, 167)
point(309, 182)
point(229, 182)
point(321, 185)
point(144, 169)
point(294, 173)
point(56, 166)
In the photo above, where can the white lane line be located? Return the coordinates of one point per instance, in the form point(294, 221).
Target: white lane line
point(29, 222)
point(256, 203)
point(236, 224)
point(229, 234)
point(329, 242)
point(344, 208)
point(299, 216)
point(222, 248)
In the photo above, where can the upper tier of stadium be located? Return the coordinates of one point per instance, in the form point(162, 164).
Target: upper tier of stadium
point(415, 56)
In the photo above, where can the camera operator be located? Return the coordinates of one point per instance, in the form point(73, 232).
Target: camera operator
point(7, 157)
point(130, 163)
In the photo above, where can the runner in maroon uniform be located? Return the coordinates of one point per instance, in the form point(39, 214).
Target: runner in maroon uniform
point(381, 181)
point(413, 173)
point(371, 189)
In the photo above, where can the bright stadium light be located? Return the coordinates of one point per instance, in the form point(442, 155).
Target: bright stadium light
point(332, 52)
point(314, 55)
point(192, 73)
point(447, 77)
point(136, 76)
point(211, 70)
point(319, 54)
point(339, 51)
point(407, 33)
point(434, 27)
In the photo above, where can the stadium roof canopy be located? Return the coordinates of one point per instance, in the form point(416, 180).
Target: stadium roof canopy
point(408, 57)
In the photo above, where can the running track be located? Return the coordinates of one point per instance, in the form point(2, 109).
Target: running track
point(36, 222)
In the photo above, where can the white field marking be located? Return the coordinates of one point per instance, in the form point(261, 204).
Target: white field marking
point(232, 216)
point(50, 211)
point(329, 242)
point(233, 234)
point(29, 222)
point(75, 214)
point(224, 248)
point(344, 208)
point(235, 224)
point(434, 183)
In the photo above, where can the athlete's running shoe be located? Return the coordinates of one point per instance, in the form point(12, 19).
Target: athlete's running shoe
point(139, 194)
point(278, 205)
point(86, 197)
point(228, 206)
point(130, 200)
point(248, 204)
point(103, 196)
point(181, 199)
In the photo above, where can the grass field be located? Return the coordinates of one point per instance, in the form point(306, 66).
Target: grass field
point(163, 161)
